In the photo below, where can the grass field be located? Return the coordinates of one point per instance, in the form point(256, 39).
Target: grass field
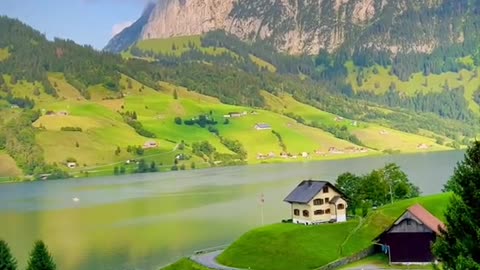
point(157, 111)
point(178, 45)
point(103, 128)
point(291, 246)
point(379, 83)
point(185, 264)
point(372, 135)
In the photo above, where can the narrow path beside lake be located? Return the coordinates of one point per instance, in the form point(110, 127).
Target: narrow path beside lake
point(209, 260)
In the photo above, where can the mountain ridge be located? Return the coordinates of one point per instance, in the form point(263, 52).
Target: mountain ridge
point(71, 103)
point(307, 27)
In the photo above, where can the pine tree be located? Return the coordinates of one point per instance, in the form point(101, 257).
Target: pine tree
point(40, 258)
point(458, 246)
point(7, 262)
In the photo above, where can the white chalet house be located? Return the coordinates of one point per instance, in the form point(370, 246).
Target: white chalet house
point(315, 202)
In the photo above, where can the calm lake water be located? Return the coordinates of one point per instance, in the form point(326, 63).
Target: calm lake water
point(147, 221)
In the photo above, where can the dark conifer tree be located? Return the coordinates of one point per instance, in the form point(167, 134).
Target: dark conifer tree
point(458, 247)
point(40, 258)
point(7, 262)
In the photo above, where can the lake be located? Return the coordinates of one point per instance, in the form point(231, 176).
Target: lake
point(147, 221)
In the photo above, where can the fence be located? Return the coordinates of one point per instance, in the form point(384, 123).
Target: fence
point(211, 249)
point(348, 260)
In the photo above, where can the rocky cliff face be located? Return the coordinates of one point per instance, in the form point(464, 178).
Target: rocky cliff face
point(307, 26)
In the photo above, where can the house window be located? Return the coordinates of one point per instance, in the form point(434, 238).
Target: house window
point(318, 202)
point(327, 200)
point(325, 189)
point(305, 213)
point(341, 206)
point(409, 222)
point(327, 211)
point(296, 212)
point(318, 212)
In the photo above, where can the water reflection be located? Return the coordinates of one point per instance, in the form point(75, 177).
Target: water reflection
point(146, 221)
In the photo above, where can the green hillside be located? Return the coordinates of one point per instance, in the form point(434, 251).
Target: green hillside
point(200, 102)
point(291, 246)
point(372, 135)
point(177, 46)
point(379, 79)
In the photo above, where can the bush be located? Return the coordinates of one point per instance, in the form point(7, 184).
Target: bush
point(178, 120)
point(75, 129)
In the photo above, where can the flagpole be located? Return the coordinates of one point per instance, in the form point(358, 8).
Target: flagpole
point(262, 200)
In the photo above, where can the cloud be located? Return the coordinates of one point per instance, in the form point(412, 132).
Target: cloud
point(118, 27)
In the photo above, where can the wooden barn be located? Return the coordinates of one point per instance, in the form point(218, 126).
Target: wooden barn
point(409, 239)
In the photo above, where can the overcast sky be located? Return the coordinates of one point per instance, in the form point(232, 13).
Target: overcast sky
point(91, 22)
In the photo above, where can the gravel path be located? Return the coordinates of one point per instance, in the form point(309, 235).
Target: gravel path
point(210, 260)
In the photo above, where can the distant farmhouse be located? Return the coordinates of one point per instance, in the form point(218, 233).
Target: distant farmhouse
point(235, 114)
point(315, 202)
point(263, 126)
point(150, 145)
point(409, 239)
point(71, 165)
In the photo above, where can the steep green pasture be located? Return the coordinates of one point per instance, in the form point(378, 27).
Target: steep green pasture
point(27, 89)
point(372, 135)
point(102, 132)
point(291, 246)
point(379, 83)
point(157, 111)
point(64, 89)
point(178, 45)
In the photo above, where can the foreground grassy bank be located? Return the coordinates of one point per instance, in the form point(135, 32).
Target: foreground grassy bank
point(185, 264)
point(290, 246)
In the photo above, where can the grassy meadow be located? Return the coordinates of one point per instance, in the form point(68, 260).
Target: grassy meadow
point(292, 246)
point(178, 45)
point(103, 129)
point(372, 135)
point(185, 264)
point(379, 83)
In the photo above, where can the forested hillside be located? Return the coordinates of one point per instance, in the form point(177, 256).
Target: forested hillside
point(202, 101)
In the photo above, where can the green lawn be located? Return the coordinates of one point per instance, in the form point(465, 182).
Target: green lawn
point(185, 264)
point(291, 246)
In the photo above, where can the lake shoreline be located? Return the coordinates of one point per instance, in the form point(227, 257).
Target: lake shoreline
point(333, 157)
point(113, 217)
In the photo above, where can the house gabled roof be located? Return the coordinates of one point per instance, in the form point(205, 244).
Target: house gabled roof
point(307, 190)
point(421, 215)
point(335, 199)
point(426, 218)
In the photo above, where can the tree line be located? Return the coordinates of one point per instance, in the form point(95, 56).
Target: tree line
point(40, 258)
point(376, 188)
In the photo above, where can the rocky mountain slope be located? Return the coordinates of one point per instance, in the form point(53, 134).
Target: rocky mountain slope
point(307, 26)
